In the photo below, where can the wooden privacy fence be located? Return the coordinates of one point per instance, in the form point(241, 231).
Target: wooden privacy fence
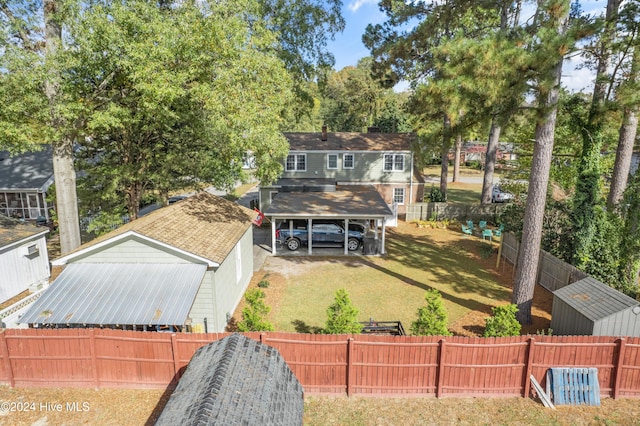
point(364, 365)
point(553, 273)
point(460, 212)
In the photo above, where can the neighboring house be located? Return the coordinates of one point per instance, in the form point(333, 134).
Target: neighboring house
point(477, 151)
point(24, 263)
point(24, 182)
point(235, 381)
point(320, 162)
point(181, 267)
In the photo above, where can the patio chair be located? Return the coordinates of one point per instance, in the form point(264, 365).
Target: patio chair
point(498, 232)
point(466, 230)
point(470, 224)
point(487, 233)
point(482, 224)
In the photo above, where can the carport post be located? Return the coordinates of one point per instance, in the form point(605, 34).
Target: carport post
point(382, 241)
point(346, 236)
point(310, 236)
point(273, 236)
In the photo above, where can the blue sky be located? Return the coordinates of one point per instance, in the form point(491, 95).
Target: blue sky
point(348, 48)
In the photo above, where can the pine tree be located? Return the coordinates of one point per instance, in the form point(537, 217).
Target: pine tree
point(432, 318)
point(254, 315)
point(342, 316)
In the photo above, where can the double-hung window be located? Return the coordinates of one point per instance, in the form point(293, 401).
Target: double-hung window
point(398, 195)
point(296, 163)
point(347, 161)
point(393, 162)
point(332, 161)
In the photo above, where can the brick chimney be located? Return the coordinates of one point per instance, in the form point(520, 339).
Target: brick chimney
point(324, 132)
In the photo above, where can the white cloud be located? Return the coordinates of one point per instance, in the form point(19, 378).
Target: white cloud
point(357, 4)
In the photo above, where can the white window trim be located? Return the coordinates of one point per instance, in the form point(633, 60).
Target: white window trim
point(400, 203)
point(328, 163)
point(393, 163)
point(353, 161)
point(271, 195)
point(295, 169)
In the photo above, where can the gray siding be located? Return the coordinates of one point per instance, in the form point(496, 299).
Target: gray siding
point(566, 321)
point(223, 289)
point(624, 323)
point(368, 168)
point(132, 250)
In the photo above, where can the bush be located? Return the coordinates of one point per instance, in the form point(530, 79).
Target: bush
point(436, 196)
point(503, 322)
point(432, 318)
point(342, 316)
point(253, 315)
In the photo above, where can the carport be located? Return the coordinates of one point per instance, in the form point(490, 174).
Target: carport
point(345, 203)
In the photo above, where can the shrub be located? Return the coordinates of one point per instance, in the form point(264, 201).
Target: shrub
point(253, 315)
point(436, 196)
point(263, 284)
point(342, 316)
point(432, 318)
point(503, 322)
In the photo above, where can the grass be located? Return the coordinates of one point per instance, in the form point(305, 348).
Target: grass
point(389, 288)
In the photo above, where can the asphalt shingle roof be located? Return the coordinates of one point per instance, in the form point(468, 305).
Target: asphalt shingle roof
point(28, 171)
point(204, 224)
point(13, 230)
point(235, 381)
point(345, 141)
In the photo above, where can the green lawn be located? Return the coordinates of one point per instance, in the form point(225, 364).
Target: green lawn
point(385, 288)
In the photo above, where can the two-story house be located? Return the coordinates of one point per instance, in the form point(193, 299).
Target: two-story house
point(320, 161)
point(344, 176)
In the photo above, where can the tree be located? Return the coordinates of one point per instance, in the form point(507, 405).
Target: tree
point(253, 315)
point(342, 316)
point(503, 323)
point(552, 44)
point(432, 318)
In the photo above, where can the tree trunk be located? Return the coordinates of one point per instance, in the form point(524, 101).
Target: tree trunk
point(63, 170)
point(527, 264)
point(490, 161)
point(624, 153)
point(456, 158)
point(444, 153)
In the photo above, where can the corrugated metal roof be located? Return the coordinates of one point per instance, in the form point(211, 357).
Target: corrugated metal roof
point(349, 201)
point(347, 141)
point(594, 299)
point(125, 294)
point(28, 171)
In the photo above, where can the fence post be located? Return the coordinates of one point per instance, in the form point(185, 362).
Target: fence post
point(349, 365)
point(176, 357)
point(440, 374)
point(5, 355)
point(618, 367)
point(94, 358)
point(529, 367)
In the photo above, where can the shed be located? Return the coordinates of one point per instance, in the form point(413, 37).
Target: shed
point(589, 307)
point(235, 381)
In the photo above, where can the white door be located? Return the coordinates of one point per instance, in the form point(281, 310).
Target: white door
point(392, 220)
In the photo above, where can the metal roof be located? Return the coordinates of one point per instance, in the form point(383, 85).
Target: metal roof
point(346, 202)
point(594, 299)
point(235, 381)
point(121, 294)
point(29, 171)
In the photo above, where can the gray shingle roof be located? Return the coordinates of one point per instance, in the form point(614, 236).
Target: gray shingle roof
point(235, 381)
point(124, 294)
point(346, 141)
point(28, 171)
point(594, 299)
